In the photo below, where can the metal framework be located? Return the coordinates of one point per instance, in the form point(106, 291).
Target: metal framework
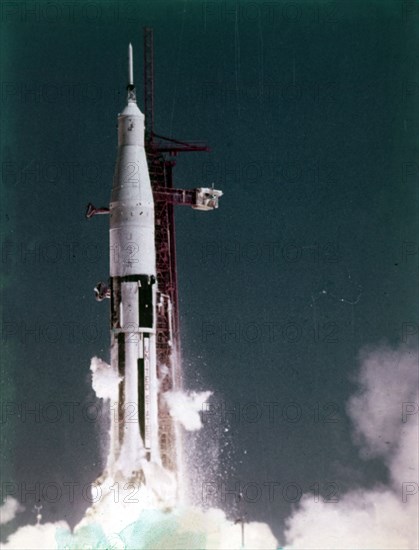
point(160, 156)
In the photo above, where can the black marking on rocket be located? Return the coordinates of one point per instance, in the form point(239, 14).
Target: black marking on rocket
point(145, 299)
point(141, 401)
point(121, 368)
point(145, 305)
point(115, 302)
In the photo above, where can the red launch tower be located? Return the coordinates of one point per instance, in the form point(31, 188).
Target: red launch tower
point(161, 152)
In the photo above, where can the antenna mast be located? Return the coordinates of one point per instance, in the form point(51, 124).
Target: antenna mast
point(148, 84)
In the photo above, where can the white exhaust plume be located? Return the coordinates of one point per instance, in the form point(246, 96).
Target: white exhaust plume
point(105, 379)
point(185, 407)
point(9, 509)
point(385, 417)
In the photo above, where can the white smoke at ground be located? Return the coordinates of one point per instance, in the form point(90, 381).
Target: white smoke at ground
point(385, 417)
point(35, 537)
point(130, 516)
point(182, 528)
point(9, 509)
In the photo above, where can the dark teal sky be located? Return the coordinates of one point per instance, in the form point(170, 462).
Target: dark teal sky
point(310, 110)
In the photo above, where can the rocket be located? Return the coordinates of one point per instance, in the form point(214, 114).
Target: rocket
point(144, 353)
point(132, 291)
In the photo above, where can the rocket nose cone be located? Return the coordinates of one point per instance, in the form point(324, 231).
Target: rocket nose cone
point(131, 109)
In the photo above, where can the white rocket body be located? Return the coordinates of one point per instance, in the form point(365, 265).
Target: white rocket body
point(132, 205)
point(133, 295)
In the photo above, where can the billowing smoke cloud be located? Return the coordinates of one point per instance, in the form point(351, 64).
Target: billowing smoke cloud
point(35, 537)
point(384, 412)
point(185, 407)
point(143, 525)
point(182, 527)
point(385, 417)
point(9, 509)
point(105, 379)
point(130, 514)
